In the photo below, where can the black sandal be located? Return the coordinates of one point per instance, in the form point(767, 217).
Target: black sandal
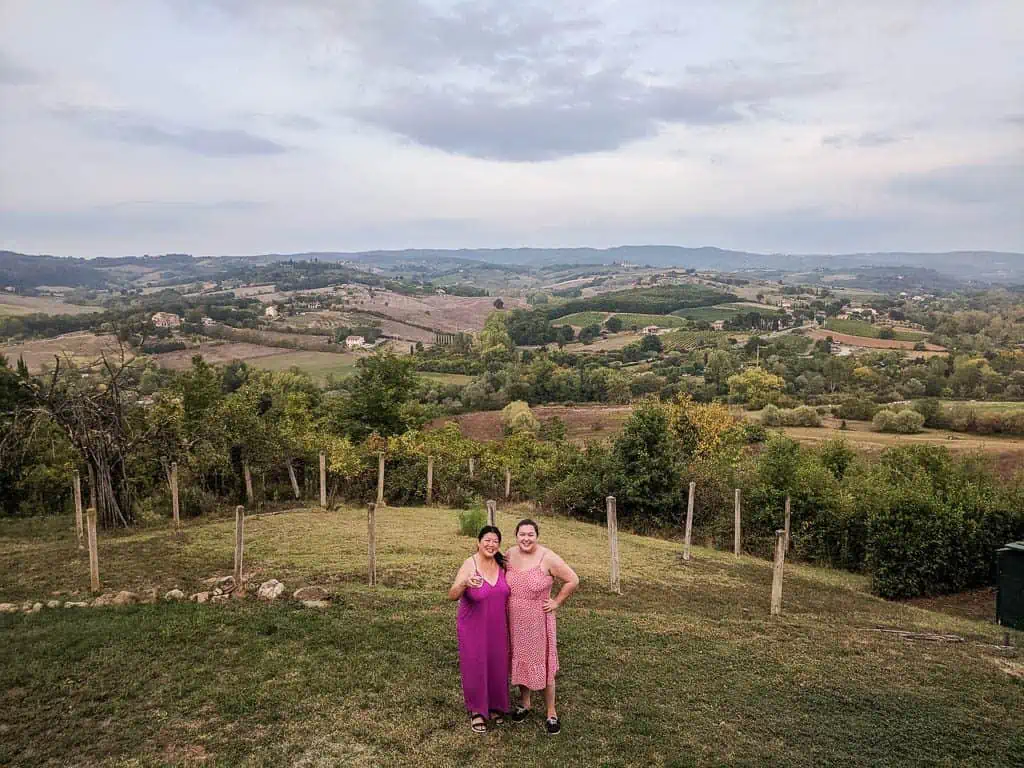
point(478, 727)
point(518, 714)
point(498, 717)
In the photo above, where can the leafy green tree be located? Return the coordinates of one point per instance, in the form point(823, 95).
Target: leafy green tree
point(755, 387)
point(382, 383)
point(613, 324)
point(646, 469)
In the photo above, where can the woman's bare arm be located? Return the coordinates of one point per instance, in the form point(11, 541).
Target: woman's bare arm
point(461, 580)
point(570, 581)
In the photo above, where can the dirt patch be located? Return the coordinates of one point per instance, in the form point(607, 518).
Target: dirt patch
point(83, 347)
point(864, 341)
point(582, 423)
point(11, 304)
point(216, 353)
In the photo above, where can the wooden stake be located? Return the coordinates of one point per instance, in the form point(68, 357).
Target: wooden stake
point(248, 482)
point(239, 545)
point(508, 482)
point(689, 521)
point(472, 467)
point(492, 512)
point(430, 479)
point(786, 528)
point(323, 481)
point(371, 537)
point(777, 568)
point(92, 486)
point(79, 520)
point(294, 480)
point(736, 535)
point(613, 544)
point(94, 555)
point(380, 479)
point(175, 509)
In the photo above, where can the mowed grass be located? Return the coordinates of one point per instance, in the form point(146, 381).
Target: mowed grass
point(582, 319)
point(870, 330)
point(685, 668)
point(319, 365)
point(630, 319)
point(711, 314)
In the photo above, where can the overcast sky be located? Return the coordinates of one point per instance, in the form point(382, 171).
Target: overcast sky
point(220, 127)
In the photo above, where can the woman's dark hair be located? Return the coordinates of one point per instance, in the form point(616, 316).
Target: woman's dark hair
point(527, 521)
point(498, 556)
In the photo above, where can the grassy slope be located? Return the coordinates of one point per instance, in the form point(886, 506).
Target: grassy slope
point(685, 668)
point(870, 330)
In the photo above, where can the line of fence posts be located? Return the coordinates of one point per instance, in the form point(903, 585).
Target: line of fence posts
point(613, 546)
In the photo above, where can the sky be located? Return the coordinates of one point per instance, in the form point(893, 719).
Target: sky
point(231, 127)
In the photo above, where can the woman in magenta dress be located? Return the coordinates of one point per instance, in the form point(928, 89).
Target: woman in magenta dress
point(482, 623)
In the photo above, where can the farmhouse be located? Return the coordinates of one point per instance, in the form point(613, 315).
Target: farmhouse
point(271, 312)
point(166, 320)
point(355, 342)
point(718, 325)
point(650, 330)
point(208, 321)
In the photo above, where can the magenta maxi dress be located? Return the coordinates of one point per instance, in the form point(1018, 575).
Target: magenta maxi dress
point(483, 646)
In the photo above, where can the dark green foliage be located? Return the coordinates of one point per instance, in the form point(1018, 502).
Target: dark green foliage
point(856, 409)
point(658, 300)
point(613, 324)
point(382, 383)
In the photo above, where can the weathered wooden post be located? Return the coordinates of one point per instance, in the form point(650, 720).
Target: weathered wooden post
point(777, 568)
point(294, 480)
point(92, 487)
point(508, 482)
point(736, 535)
point(175, 509)
point(430, 479)
point(248, 483)
point(94, 555)
point(79, 520)
point(613, 544)
point(492, 512)
point(239, 545)
point(323, 481)
point(786, 529)
point(371, 539)
point(380, 479)
point(472, 467)
point(689, 521)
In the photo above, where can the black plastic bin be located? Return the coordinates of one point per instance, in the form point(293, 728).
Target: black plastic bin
point(1010, 597)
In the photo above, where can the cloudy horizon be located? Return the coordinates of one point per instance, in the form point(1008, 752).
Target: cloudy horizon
point(232, 127)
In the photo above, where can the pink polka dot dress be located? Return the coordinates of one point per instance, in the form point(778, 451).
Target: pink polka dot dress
point(534, 644)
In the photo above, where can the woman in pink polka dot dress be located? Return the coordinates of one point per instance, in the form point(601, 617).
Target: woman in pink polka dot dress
point(531, 571)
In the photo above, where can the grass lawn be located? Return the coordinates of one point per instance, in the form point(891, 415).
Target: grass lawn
point(446, 378)
point(870, 330)
point(317, 364)
point(685, 668)
point(711, 314)
point(629, 319)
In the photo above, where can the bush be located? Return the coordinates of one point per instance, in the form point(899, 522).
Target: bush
point(857, 409)
point(804, 416)
point(905, 422)
point(931, 409)
point(471, 521)
point(517, 417)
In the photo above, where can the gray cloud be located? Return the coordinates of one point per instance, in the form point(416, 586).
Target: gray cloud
point(136, 129)
point(867, 139)
point(998, 183)
point(12, 73)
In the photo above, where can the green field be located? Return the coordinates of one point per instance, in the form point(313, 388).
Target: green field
point(630, 319)
point(709, 314)
point(446, 378)
point(319, 365)
point(869, 330)
point(582, 319)
point(684, 668)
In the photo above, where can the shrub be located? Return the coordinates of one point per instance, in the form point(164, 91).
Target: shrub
point(804, 416)
point(905, 422)
point(517, 417)
point(931, 409)
point(857, 409)
point(471, 521)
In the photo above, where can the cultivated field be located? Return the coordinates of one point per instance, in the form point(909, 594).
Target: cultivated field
point(11, 304)
point(684, 668)
point(871, 330)
point(868, 343)
point(220, 353)
point(82, 347)
point(585, 422)
point(582, 319)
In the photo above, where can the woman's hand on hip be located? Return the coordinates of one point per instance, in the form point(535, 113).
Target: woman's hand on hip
point(550, 605)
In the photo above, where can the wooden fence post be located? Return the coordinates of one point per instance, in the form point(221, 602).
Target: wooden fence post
point(689, 521)
point(323, 481)
point(736, 535)
point(94, 555)
point(294, 480)
point(175, 509)
point(508, 482)
point(430, 479)
point(248, 482)
point(472, 467)
point(239, 545)
point(380, 479)
point(371, 539)
point(79, 520)
point(492, 512)
point(786, 529)
point(777, 568)
point(613, 544)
